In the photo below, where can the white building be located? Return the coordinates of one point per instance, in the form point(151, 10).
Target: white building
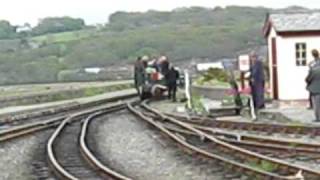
point(25, 28)
point(206, 66)
point(291, 37)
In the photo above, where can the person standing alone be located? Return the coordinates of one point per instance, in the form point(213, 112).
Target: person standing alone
point(257, 82)
point(171, 77)
point(313, 84)
point(139, 75)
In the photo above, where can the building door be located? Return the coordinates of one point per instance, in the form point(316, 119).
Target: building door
point(275, 89)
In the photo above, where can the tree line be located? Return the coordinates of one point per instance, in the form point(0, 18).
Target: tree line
point(45, 26)
point(64, 46)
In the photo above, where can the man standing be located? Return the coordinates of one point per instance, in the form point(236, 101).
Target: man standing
point(313, 84)
point(311, 65)
point(257, 82)
point(139, 75)
point(171, 77)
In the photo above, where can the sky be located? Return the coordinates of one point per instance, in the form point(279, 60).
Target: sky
point(97, 11)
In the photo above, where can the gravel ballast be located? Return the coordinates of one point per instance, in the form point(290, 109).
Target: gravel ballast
point(16, 157)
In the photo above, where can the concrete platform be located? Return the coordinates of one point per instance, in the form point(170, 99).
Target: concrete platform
point(21, 109)
point(32, 89)
point(292, 114)
point(33, 94)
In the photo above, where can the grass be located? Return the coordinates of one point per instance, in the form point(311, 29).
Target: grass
point(213, 82)
point(197, 104)
point(263, 165)
point(64, 36)
point(90, 91)
point(228, 100)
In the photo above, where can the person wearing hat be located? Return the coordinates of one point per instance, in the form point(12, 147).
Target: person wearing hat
point(313, 84)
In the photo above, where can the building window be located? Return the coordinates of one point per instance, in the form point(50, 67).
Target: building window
point(301, 54)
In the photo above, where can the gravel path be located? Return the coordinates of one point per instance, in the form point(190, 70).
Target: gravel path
point(129, 145)
point(16, 156)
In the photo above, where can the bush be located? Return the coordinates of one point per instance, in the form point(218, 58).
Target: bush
point(218, 74)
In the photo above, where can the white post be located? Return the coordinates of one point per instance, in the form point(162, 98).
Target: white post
point(253, 113)
point(187, 88)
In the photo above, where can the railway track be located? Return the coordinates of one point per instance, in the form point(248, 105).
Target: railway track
point(268, 128)
point(258, 142)
point(30, 126)
point(68, 154)
point(228, 163)
point(281, 168)
point(43, 114)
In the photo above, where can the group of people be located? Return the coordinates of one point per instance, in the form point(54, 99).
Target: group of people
point(150, 71)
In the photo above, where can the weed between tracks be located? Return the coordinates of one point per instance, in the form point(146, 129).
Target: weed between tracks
point(263, 165)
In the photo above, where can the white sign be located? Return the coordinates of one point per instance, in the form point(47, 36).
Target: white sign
point(244, 62)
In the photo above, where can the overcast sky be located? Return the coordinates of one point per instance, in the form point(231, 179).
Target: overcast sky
point(97, 11)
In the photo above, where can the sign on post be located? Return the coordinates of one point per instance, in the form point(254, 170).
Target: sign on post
point(244, 66)
point(244, 63)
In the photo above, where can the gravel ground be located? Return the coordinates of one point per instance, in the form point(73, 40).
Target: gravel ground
point(16, 156)
point(129, 145)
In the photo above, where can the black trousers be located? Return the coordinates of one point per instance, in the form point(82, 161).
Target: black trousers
point(172, 90)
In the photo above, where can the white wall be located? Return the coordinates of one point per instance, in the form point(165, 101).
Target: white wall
point(291, 77)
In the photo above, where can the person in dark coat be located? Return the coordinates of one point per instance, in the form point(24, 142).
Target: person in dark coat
point(171, 77)
point(139, 74)
point(313, 63)
point(257, 81)
point(313, 84)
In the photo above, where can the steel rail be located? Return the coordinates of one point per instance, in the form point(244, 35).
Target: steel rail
point(283, 165)
point(52, 158)
point(87, 154)
point(235, 165)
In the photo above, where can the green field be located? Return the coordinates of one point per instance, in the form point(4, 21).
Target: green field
point(65, 36)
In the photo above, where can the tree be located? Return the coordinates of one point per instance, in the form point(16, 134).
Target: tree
point(7, 31)
point(58, 24)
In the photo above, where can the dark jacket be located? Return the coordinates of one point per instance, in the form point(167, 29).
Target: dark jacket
point(313, 80)
point(139, 74)
point(172, 76)
point(257, 73)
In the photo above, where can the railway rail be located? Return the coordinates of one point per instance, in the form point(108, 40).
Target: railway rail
point(268, 128)
point(42, 114)
point(282, 168)
point(48, 120)
point(68, 160)
point(229, 163)
point(261, 143)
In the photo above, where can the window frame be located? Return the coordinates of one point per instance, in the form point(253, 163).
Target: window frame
point(301, 53)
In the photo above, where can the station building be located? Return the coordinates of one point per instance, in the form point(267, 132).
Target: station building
point(291, 38)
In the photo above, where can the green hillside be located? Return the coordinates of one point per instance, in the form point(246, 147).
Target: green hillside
point(181, 34)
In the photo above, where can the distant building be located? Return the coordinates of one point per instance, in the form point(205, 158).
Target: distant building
point(206, 66)
point(25, 28)
point(291, 37)
point(93, 70)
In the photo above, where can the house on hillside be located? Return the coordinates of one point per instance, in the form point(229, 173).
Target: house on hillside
point(201, 67)
point(291, 38)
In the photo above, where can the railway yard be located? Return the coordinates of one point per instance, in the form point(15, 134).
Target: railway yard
point(117, 136)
